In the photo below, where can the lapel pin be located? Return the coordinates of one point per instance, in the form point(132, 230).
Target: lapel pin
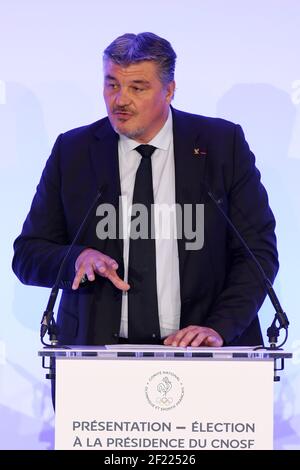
point(199, 153)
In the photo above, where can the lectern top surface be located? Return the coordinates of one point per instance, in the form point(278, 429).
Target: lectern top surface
point(144, 351)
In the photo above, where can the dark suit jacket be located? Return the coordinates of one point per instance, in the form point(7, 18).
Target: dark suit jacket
point(220, 287)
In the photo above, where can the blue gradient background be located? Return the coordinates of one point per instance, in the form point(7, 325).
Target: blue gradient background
point(237, 60)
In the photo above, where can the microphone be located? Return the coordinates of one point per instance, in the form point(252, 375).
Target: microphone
point(280, 315)
point(48, 322)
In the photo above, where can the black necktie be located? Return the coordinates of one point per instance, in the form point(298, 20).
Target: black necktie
point(143, 321)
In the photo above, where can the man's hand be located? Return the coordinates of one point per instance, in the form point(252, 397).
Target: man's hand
point(91, 262)
point(194, 336)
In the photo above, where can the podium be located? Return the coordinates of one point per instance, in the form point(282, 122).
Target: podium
point(132, 397)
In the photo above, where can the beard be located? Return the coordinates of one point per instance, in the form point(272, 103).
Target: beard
point(118, 126)
point(131, 134)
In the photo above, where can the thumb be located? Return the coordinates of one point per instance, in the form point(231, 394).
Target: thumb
point(213, 341)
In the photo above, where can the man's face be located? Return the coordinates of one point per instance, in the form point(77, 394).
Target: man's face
point(137, 102)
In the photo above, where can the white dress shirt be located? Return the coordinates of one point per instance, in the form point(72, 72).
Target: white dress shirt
point(167, 263)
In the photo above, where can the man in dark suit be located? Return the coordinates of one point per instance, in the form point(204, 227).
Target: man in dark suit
point(206, 295)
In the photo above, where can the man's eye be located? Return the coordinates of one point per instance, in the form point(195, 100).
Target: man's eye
point(136, 88)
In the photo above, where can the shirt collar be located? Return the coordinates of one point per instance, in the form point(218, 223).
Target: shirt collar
point(161, 140)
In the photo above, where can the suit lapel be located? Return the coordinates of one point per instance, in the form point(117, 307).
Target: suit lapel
point(104, 160)
point(190, 153)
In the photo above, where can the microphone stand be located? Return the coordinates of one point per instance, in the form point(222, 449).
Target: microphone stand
point(280, 315)
point(48, 323)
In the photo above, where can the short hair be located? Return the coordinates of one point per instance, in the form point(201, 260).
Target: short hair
point(132, 48)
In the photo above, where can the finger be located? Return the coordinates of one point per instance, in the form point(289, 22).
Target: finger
point(89, 271)
point(103, 267)
point(213, 341)
point(117, 281)
point(110, 262)
point(107, 268)
point(199, 340)
point(179, 336)
point(76, 281)
point(100, 267)
point(176, 339)
point(113, 264)
point(168, 340)
point(188, 338)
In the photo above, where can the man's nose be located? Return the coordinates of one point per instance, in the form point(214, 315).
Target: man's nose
point(122, 97)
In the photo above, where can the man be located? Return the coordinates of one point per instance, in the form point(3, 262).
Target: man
point(208, 296)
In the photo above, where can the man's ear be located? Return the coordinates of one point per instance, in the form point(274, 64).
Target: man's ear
point(170, 91)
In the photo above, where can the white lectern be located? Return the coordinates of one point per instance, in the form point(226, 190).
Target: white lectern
point(162, 398)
